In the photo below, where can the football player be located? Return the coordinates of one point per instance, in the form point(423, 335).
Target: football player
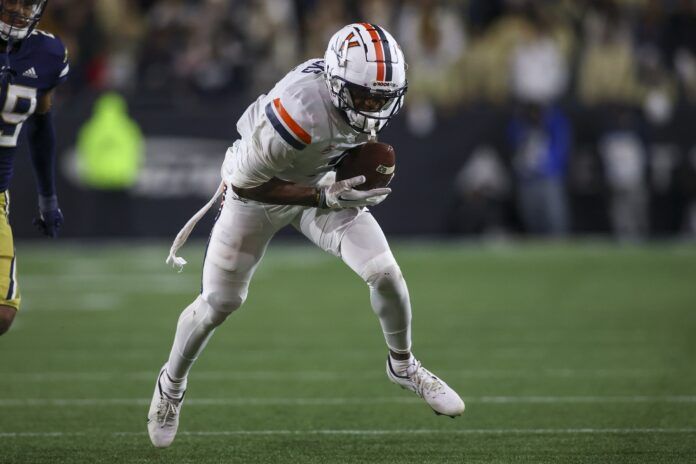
point(32, 63)
point(279, 173)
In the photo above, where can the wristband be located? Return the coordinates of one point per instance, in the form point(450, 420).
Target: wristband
point(321, 198)
point(48, 203)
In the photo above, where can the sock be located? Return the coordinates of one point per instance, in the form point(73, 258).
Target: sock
point(399, 366)
point(171, 387)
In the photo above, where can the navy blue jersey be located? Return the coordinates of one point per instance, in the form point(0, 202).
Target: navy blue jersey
point(38, 65)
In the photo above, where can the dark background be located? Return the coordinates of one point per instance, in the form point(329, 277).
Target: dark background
point(189, 69)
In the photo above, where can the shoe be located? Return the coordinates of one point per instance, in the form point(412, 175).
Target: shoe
point(163, 416)
point(439, 396)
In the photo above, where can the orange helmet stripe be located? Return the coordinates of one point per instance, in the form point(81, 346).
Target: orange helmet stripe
point(379, 50)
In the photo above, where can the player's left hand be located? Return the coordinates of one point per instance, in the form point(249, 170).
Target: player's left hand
point(341, 195)
point(50, 218)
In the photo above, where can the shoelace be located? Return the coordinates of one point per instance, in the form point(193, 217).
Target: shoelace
point(425, 381)
point(167, 411)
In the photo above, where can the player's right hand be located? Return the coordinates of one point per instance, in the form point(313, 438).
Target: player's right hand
point(50, 218)
point(341, 195)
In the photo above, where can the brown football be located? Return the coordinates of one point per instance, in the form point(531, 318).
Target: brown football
point(374, 160)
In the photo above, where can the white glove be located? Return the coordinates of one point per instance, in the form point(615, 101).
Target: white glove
point(342, 195)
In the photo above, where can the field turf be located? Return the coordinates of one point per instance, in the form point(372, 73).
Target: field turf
point(576, 353)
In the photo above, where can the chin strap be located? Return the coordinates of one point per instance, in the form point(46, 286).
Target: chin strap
point(183, 235)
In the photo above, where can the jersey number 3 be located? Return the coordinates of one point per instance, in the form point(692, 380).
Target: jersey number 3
point(20, 103)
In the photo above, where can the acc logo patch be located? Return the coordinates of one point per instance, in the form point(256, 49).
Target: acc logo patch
point(386, 170)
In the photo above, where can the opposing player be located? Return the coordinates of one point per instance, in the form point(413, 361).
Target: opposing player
point(280, 173)
point(33, 64)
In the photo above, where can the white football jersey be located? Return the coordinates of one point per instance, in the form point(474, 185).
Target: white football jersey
point(294, 133)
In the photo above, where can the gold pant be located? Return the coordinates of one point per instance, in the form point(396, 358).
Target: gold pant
point(9, 290)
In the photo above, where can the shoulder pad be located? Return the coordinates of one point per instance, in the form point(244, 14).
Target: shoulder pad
point(54, 53)
point(50, 43)
point(292, 118)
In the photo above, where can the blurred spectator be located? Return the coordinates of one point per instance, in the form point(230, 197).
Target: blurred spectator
point(123, 26)
point(320, 24)
point(271, 32)
point(110, 154)
point(167, 28)
point(432, 35)
point(679, 42)
point(110, 146)
point(666, 199)
point(540, 141)
point(624, 160)
point(688, 180)
point(482, 187)
point(381, 12)
point(210, 60)
point(482, 13)
point(539, 69)
point(607, 65)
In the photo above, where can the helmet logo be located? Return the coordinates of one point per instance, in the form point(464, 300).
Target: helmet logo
point(351, 43)
point(345, 45)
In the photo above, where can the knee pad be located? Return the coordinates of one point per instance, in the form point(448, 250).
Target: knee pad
point(213, 317)
point(388, 281)
point(200, 315)
point(376, 266)
point(227, 300)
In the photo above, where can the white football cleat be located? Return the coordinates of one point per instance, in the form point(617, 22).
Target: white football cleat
point(163, 416)
point(439, 396)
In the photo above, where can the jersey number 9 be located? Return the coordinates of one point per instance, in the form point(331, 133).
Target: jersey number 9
point(20, 103)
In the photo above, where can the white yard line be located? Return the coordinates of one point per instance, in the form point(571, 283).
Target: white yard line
point(39, 434)
point(116, 284)
point(325, 375)
point(587, 399)
point(88, 402)
point(441, 431)
point(208, 433)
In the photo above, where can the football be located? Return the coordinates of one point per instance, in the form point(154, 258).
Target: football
point(376, 161)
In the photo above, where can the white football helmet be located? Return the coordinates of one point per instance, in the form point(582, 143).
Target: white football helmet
point(18, 18)
point(365, 71)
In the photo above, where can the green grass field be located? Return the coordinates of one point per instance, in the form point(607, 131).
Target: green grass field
point(579, 353)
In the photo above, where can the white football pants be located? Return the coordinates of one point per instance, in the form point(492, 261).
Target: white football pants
point(237, 244)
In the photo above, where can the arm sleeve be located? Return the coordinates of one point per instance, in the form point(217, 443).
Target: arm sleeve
point(42, 145)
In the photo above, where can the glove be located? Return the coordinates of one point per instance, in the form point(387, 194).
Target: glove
point(342, 195)
point(50, 218)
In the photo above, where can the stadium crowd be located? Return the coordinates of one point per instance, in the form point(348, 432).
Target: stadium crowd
point(458, 50)
point(543, 59)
